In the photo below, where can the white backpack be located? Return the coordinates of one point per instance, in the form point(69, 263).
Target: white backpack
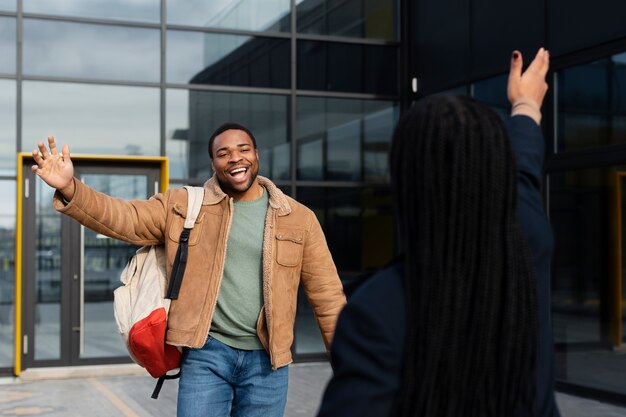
point(142, 303)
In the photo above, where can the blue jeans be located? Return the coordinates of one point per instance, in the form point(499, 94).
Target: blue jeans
point(220, 381)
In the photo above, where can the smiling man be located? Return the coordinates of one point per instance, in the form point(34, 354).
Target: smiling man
point(235, 161)
point(251, 248)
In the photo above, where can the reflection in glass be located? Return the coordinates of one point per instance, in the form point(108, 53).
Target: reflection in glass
point(344, 139)
point(93, 119)
point(8, 5)
point(591, 104)
point(352, 18)
point(256, 15)
point(177, 131)
point(8, 135)
point(358, 224)
point(7, 45)
point(493, 93)
point(47, 275)
point(581, 296)
point(227, 60)
point(104, 259)
point(353, 68)
point(344, 151)
point(311, 159)
point(307, 337)
point(7, 272)
point(193, 115)
point(131, 10)
point(378, 127)
point(91, 51)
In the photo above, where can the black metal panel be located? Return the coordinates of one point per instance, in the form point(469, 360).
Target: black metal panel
point(440, 53)
point(498, 28)
point(578, 24)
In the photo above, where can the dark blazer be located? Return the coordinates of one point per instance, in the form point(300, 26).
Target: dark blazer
point(368, 345)
point(529, 149)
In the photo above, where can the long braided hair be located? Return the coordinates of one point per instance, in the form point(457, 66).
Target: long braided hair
point(470, 342)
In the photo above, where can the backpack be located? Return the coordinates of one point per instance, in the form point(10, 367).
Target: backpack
point(142, 303)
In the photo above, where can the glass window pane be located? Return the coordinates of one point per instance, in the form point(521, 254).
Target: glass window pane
point(591, 104)
point(133, 10)
point(257, 15)
point(103, 261)
point(92, 119)
point(585, 310)
point(332, 66)
point(343, 144)
point(7, 271)
point(343, 139)
point(358, 224)
point(91, 51)
point(193, 115)
point(8, 134)
point(227, 60)
point(378, 125)
point(617, 133)
point(7, 45)
point(353, 18)
point(493, 93)
point(47, 275)
point(9, 5)
point(619, 82)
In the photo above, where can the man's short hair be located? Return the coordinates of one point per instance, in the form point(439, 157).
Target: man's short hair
point(225, 127)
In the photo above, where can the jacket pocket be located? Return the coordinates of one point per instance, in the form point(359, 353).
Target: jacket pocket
point(177, 224)
point(289, 245)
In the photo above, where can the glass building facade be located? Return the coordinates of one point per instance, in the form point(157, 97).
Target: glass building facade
point(317, 81)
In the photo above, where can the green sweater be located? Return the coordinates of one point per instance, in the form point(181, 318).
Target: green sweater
point(241, 293)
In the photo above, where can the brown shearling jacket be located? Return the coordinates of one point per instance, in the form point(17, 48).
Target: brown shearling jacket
point(294, 250)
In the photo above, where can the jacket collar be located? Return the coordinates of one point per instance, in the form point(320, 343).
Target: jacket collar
point(213, 194)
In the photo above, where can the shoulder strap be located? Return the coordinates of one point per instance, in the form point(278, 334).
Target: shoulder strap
point(159, 384)
point(195, 195)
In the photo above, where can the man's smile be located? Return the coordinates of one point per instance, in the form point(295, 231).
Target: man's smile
point(239, 173)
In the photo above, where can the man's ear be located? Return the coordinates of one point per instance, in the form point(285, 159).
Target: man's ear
point(212, 165)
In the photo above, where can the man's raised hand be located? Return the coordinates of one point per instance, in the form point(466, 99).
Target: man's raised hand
point(54, 168)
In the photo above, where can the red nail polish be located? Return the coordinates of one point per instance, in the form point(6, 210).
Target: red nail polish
point(515, 55)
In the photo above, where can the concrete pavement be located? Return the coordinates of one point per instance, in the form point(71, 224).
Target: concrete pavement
point(79, 395)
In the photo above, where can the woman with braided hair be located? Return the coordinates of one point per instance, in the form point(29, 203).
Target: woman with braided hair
point(452, 329)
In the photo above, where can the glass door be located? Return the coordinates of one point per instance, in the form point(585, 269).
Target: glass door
point(71, 273)
point(101, 260)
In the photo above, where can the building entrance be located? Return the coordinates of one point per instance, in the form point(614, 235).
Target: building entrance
point(69, 272)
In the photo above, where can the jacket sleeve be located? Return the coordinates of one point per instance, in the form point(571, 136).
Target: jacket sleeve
point(529, 148)
point(140, 222)
point(321, 282)
point(367, 352)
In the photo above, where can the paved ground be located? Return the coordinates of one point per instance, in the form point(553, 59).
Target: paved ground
point(129, 396)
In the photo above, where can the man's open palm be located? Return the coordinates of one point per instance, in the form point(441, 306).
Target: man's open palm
point(55, 168)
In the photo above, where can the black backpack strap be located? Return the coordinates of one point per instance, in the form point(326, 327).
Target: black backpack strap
point(159, 384)
point(194, 204)
point(180, 263)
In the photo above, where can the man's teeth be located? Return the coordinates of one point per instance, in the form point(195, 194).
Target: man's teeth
point(237, 171)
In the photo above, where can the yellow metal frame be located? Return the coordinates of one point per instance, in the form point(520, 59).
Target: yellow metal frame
point(22, 157)
point(615, 285)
